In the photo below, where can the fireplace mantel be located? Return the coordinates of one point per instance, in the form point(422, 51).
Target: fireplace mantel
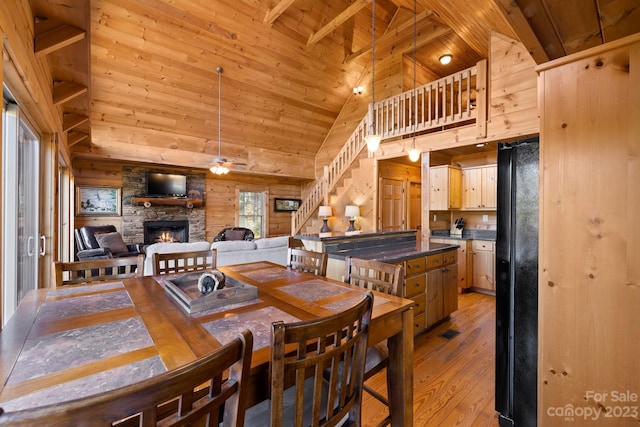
point(167, 201)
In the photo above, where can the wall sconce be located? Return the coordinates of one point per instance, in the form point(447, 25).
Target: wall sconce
point(445, 59)
point(324, 212)
point(352, 212)
point(358, 90)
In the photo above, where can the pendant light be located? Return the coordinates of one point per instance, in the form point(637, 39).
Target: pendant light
point(373, 139)
point(414, 153)
point(219, 167)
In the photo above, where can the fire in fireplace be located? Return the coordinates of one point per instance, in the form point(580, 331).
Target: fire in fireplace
point(166, 231)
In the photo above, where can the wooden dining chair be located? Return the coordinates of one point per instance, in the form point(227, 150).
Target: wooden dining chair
point(97, 270)
point(308, 261)
point(196, 392)
point(385, 278)
point(178, 262)
point(317, 370)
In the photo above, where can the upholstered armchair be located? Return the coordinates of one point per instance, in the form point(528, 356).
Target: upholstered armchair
point(103, 241)
point(234, 233)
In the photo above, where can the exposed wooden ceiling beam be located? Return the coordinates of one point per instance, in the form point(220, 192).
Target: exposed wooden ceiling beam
point(346, 14)
point(276, 11)
point(75, 137)
point(57, 38)
point(520, 24)
point(64, 91)
point(72, 120)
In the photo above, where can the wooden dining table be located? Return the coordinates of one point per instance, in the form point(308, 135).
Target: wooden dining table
point(73, 341)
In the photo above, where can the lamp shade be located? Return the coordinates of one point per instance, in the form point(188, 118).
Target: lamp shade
point(324, 211)
point(373, 142)
point(414, 154)
point(351, 211)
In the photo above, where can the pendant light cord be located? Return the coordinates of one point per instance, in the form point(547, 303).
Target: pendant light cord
point(219, 70)
point(373, 65)
point(415, 62)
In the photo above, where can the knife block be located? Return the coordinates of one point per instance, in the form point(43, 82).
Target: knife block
point(455, 232)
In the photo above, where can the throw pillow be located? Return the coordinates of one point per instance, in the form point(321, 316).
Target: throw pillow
point(112, 241)
point(234, 235)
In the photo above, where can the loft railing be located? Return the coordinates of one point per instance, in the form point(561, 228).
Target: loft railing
point(457, 98)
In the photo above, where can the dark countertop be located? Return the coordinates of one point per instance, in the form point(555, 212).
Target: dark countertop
point(489, 235)
point(395, 253)
point(341, 235)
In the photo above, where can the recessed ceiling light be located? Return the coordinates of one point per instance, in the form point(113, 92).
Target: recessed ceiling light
point(482, 144)
point(445, 59)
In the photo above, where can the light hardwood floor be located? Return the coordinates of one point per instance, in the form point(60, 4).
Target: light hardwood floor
point(453, 379)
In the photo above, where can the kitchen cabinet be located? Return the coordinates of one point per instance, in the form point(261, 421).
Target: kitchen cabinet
point(479, 187)
point(432, 283)
point(445, 188)
point(415, 283)
point(484, 260)
point(441, 286)
point(465, 260)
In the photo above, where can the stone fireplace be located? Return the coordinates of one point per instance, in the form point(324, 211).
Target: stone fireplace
point(136, 216)
point(166, 231)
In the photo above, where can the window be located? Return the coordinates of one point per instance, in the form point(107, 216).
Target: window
point(251, 211)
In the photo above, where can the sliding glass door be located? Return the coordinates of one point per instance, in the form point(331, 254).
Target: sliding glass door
point(22, 244)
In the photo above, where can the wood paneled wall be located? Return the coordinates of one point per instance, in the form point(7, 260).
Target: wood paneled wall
point(222, 201)
point(589, 294)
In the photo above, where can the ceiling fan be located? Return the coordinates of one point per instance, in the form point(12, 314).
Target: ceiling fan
point(220, 165)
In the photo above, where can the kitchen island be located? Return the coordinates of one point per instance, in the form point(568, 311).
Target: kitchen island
point(431, 269)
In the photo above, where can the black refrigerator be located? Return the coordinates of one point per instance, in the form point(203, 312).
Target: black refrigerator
point(517, 283)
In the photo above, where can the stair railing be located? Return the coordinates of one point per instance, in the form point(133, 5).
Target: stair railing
point(457, 98)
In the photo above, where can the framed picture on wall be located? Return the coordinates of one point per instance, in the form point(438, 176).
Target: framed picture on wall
point(98, 201)
point(286, 205)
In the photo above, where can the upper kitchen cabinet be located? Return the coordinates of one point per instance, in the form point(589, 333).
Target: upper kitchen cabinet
point(445, 183)
point(479, 188)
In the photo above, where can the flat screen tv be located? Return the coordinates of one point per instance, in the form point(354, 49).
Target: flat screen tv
point(166, 185)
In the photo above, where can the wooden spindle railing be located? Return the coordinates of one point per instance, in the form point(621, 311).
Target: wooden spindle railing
point(452, 99)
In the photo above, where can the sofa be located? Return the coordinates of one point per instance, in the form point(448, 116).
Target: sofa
point(273, 249)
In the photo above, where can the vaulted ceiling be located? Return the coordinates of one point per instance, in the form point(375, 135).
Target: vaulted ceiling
point(289, 67)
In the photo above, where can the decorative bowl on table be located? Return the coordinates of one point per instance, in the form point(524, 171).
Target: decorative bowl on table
point(211, 281)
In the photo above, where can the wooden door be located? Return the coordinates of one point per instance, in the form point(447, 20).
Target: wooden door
point(393, 209)
point(449, 289)
point(489, 187)
point(434, 296)
point(471, 188)
point(483, 265)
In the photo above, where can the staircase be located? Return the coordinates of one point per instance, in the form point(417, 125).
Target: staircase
point(454, 99)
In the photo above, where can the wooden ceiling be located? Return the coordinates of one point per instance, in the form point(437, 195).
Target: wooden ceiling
point(289, 67)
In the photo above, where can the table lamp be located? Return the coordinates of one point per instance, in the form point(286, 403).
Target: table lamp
point(352, 211)
point(324, 212)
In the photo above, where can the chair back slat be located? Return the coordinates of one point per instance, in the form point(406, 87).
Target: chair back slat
point(198, 390)
point(374, 275)
point(99, 270)
point(308, 261)
point(178, 262)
